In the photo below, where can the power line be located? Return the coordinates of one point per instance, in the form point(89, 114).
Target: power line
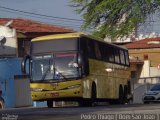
point(74, 22)
point(72, 26)
point(56, 22)
point(41, 14)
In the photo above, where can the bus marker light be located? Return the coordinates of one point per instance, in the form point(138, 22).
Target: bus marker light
point(109, 69)
point(55, 94)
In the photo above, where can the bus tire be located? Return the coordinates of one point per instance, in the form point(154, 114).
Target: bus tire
point(49, 103)
point(146, 102)
point(90, 102)
point(83, 102)
point(129, 87)
point(93, 95)
point(125, 94)
point(121, 95)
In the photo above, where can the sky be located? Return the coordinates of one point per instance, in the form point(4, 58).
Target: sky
point(151, 27)
point(61, 9)
point(55, 8)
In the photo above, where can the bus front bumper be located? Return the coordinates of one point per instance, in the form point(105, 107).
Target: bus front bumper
point(56, 94)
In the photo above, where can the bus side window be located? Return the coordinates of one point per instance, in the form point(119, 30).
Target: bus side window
point(122, 57)
point(91, 50)
point(127, 58)
point(86, 65)
point(103, 52)
point(85, 48)
point(117, 56)
point(97, 51)
point(111, 54)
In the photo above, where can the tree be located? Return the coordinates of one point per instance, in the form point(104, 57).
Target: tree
point(114, 18)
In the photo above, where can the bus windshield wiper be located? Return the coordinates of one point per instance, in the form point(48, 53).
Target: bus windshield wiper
point(46, 72)
point(48, 69)
point(59, 73)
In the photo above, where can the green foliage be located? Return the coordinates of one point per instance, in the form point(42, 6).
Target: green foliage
point(115, 18)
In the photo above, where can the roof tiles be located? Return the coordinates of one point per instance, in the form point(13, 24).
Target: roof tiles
point(25, 25)
point(144, 43)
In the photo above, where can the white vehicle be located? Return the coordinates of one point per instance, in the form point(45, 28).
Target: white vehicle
point(153, 95)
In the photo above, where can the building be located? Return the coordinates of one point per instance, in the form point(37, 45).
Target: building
point(145, 65)
point(15, 39)
point(28, 29)
point(8, 42)
point(145, 58)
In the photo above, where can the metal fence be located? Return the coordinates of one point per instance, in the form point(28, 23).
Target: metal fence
point(141, 85)
point(150, 80)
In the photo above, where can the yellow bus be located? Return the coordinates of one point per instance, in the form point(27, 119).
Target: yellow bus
point(77, 67)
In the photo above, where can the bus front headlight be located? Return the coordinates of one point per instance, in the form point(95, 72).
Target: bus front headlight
point(36, 89)
point(74, 86)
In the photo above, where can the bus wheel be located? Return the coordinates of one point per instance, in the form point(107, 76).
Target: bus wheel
point(89, 102)
point(83, 103)
point(93, 95)
point(125, 94)
point(121, 95)
point(49, 103)
point(146, 102)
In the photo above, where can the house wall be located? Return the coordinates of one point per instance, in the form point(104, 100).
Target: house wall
point(136, 72)
point(151, 58)
point(145, 72)
point(23, 46)
point(8, 42)
point(154, 72)
point(153, 55)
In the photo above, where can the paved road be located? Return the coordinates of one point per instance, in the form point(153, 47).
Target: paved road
point(114, 112)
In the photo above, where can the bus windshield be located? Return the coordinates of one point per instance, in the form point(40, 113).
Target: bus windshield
point(59, 66)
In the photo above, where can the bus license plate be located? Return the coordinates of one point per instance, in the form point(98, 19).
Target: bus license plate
point(55, 94)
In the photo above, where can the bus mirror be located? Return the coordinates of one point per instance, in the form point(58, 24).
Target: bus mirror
point(24, 62)
point(79, 60)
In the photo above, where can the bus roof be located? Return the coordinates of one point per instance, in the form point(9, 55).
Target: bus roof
point(61, 36)
point(71, 35)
